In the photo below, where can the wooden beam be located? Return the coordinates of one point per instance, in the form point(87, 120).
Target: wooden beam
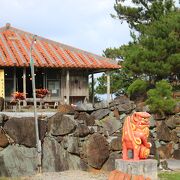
point(67, 87)
point(24, 85)
point(108, 87)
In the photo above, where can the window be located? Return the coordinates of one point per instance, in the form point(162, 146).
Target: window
point(54, 87)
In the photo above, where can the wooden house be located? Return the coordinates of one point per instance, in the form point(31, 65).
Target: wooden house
point(62, 69)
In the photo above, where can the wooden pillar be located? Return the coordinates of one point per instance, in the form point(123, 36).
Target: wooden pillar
point(24, 85)
point(67, 87)
point(108, 87)
point(14, 79)
point(92, 88)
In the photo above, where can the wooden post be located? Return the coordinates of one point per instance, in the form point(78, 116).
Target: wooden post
point(24, 85)
point(44, 79)
point(108, 87)
point(92, 88)
point(67, 86)
point(14, 79)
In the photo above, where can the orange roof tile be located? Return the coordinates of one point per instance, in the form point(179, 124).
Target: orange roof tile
point(15, 51)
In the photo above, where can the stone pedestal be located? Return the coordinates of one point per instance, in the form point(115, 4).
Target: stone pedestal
point(147, 168)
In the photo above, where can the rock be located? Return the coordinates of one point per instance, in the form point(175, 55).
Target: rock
point(71, 144)
point(101, 105)
point(177, 108)
point(165, 151)
point(61, 124)
point(96, 150)
point(163, 143)
point(81, 130)
point(119, 100)
point(173, 121)
point(3, 118)
point(18, 161)
point(176, 154)
point(116, 113)
point(109, 165)
point(56, 159)
point(87, 119)
point(176, 146)
point(59, 139)
point(3, 139)
point(66, 109)
point(152, 122)
point(128, 107)
point(84, 107)
point(163, 132)
point(174, 136)
point(110, 124)
point(177, 130)
point(91, 130)
point(101, 113)
point(140, 106)
point(152, 141)
point(122, 117)
point(153, 131)
point(1, 103)
point(158, 116)
point(123, 104)
point(22, 130)
point(116, 144)
point(120, 109)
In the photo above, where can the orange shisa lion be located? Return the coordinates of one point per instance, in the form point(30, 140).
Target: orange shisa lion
point(135, 135)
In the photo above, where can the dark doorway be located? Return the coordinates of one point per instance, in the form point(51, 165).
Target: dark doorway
point(39, 73)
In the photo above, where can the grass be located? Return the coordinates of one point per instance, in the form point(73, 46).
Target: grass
point(169, 175)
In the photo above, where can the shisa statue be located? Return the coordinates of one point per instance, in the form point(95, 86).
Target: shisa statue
point(135, 135)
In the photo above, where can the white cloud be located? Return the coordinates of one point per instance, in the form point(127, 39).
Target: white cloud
point(85, 24)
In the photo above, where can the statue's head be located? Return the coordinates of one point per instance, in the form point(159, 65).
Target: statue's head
point(141, 118)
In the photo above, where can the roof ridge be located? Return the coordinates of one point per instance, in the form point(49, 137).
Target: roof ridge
point(9, 27)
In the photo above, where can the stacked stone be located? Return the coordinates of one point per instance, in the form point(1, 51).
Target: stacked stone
point(89, 138)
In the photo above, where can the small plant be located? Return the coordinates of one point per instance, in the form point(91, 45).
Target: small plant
point(18, 96)
point(41, 93)
point(160, 99)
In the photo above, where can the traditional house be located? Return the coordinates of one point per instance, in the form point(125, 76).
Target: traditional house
point(61, 69)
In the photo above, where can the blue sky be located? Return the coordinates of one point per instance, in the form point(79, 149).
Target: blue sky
point(85, 24)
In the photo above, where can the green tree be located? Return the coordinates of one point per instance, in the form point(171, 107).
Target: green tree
point(142, 12)
point(119, 81)
point(156, 54)
point(160, 99)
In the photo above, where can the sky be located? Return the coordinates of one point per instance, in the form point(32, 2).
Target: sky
point(84, 24)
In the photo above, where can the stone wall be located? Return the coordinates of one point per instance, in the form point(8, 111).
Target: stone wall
point(86, 138)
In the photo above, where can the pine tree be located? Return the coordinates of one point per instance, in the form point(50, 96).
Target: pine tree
point(142, 12)
point(154, 52)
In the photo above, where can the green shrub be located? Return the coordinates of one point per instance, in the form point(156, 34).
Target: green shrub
point(160, 99)
point(137, 87)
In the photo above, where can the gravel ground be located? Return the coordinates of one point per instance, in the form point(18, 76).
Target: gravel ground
point(70, 175)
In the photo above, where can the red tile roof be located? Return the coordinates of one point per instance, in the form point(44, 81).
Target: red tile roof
point(15, 51)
